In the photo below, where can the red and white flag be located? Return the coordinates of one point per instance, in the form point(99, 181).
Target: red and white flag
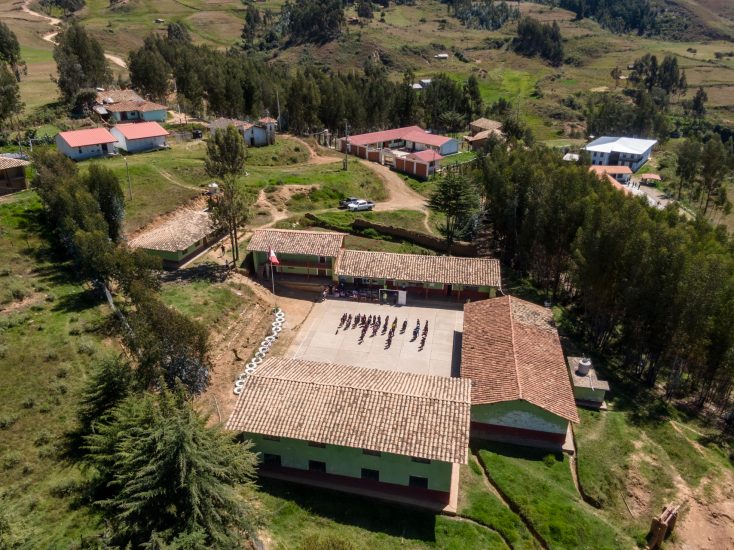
point(272, 258)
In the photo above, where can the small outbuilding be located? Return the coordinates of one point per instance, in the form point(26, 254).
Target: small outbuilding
point(129, 111)
point(181, 238)
point(620, 173)
point(588, 389)
point(257, 134)
point(12, 175)
point(84, 144)
point(140, 136)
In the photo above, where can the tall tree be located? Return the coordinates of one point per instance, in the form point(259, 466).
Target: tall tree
point(80, 62)
point(104, 185)
point(174, 482)
point(149, 73)
point(10, 103)
point(456, 198)
point(688, 164)
point(226, 153)
point(10, 50)
point(715, 168)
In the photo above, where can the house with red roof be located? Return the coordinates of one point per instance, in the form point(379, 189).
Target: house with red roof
point(84, 144)
point(137, 137)
point(411, 149)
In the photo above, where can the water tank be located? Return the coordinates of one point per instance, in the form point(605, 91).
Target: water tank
point(213, 188)
point(584, 366)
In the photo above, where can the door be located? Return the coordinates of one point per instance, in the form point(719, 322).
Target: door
point(322, 273)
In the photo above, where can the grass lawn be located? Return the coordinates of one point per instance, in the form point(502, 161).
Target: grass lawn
point(51, 328)
point(294, 512)
point(282, 153)
point(161, 181)
point(206, 301)
point(541, 486)
point(477, 502)
point(407, 219)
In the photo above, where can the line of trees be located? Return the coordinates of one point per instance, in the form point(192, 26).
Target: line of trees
point(484, 14)
point(160, 477)
point(651, 286)
point(12, 67)
point(235, 84)
point(704, 170)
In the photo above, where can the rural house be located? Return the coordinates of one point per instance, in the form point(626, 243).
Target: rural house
point(12, 175)
point(621, 174)
point(258, 134)
point(521, 392)
point(386, 434)
point(309, 253)
point(484, 125)
point(84, 144)
point(620, 151)
point(144, 111)
point(422, 164)
point(179, 239)
point(421, 275)
point(137, 137)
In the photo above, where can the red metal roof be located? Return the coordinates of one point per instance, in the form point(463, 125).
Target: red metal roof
point(91, 136)
point(421, 136)
point(384, 135)
point(427, 155)
point(141, 130)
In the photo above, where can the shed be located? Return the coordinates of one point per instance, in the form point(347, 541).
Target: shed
point(12, 174)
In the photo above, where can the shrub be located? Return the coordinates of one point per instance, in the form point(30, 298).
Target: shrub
point(28, 403)
point(43, 438)
point(18, 294)
point(62, 373)
point(51, 356)
point(10, 461)
point(7, 421)
point(85, 348)
point(64, 489)
point(3, 351)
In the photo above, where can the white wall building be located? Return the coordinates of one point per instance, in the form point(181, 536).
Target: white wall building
point(138, 137)
point(84, 144)
point(620, 151)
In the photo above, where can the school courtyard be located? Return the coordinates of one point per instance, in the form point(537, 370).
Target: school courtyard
point(322, 339)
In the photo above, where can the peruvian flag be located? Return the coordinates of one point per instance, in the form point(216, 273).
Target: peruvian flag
point(272, 258)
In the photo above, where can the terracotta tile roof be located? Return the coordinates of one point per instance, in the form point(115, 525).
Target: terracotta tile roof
point(116, 96)
point(178, 233)
point(606, 176)
point(141, 130)
point(421, 136)
point(267, 120)
point(599, 169)
point(420, 268)
point(387, 411)
point(486, 124)
point(484, 134)
point(510, 351)
point(287, 241)
point(90, 136)
point(222, 123)
point(142, 106)
point(6, 163)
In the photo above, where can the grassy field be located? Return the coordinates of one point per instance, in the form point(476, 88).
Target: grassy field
point(295, 513)
point(407, 219)
point(51, 328)
point(478, 503)
point(541, 486)
point(208, 302)
point(284, 152)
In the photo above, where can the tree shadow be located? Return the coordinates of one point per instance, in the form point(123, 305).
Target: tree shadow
point(369, 514)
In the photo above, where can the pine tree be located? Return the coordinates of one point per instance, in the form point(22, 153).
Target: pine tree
point(104, 185)
point(172, 479)
point(80, 62)
point(10, 103)
point(456, 198)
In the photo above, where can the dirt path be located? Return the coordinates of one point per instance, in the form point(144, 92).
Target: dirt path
point(313, 156)
point(174, 181)
point(55, 22)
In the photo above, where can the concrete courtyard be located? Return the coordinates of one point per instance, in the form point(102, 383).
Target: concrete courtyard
point(321, 339)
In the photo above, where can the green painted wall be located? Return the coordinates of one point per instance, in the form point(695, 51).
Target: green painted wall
point(348, 461)
point(519, 414)
point(260, 259)
point(588, 394)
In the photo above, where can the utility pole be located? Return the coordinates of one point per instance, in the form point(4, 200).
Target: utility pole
point(129, 185)
point(346, 144)
point(277, 100)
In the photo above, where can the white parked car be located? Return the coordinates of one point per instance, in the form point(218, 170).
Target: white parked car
point(360, 204)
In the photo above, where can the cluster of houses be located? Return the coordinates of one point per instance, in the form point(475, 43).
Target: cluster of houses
point(390, 432)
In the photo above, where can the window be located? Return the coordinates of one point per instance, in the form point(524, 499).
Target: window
point(271, 438)
point(322, 259)
point(420, 460)
point(271, 459)
point(371, 453)
point(80, 150)
point(317, 466)
point(316, 444)
point(418, 482)
point(372, 475)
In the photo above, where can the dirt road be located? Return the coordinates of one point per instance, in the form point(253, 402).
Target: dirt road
point(55, 22)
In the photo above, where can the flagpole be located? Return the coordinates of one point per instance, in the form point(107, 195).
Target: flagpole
point(272, 276)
